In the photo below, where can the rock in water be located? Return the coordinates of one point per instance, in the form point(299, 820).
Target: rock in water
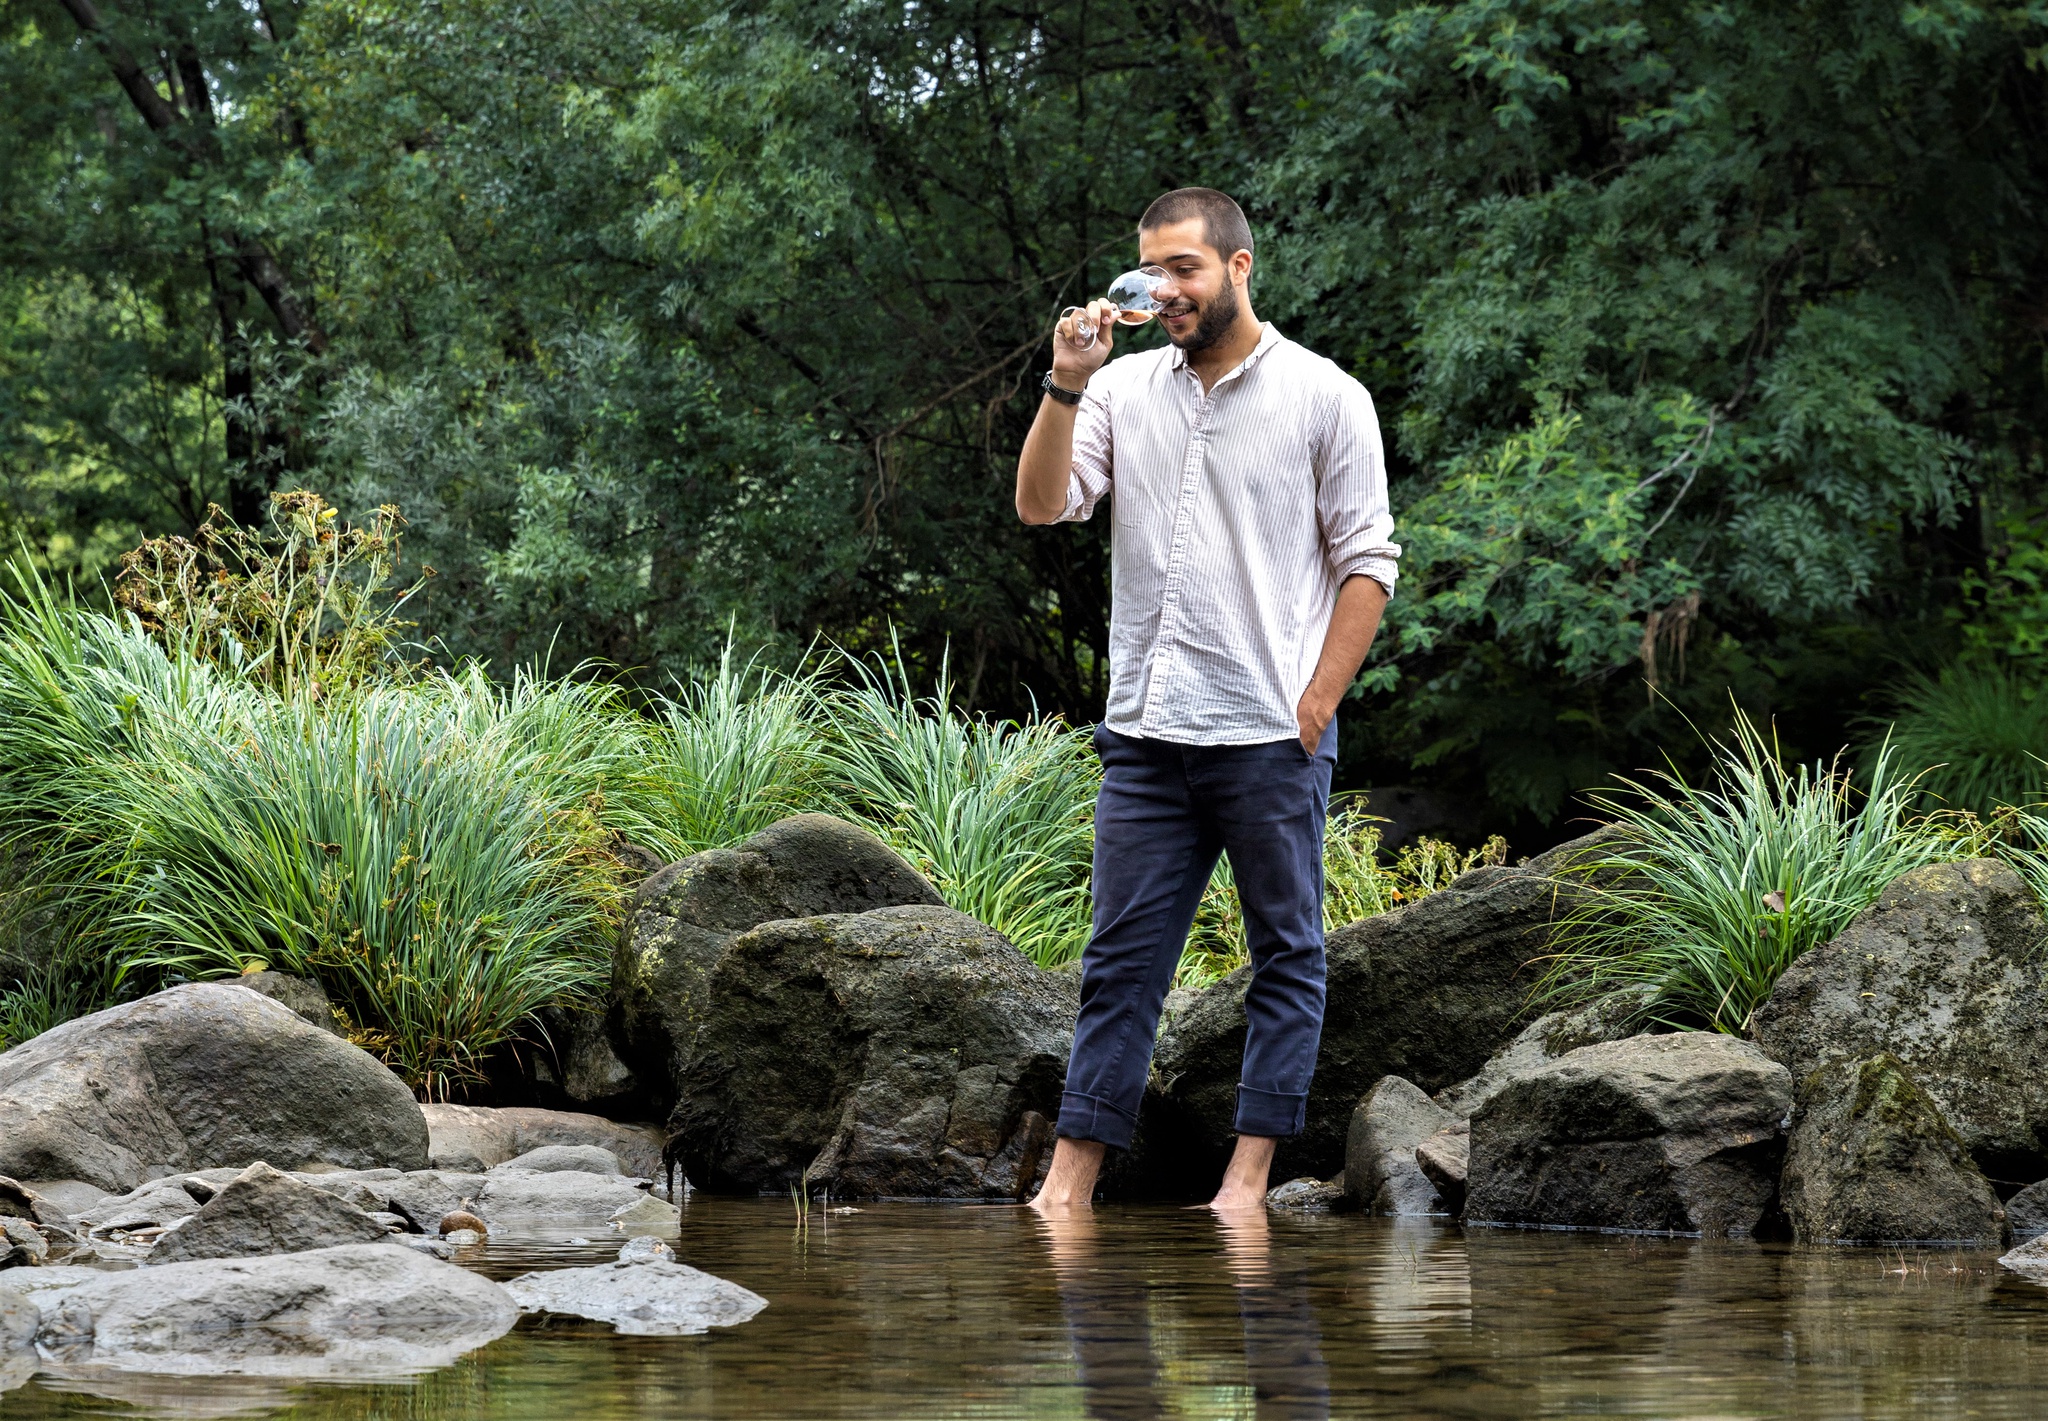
point(642, 1299)
point(2027, 1212)
point(563, 1194)
point(20, 1320)
point(1663, 1133)
point(1427, 992)
point(263, 1210)
point(1445, 1158)
point(1870, 1160)
point(1943, 974)
point(2030, 1259)
point(805, 866)
point(303, 995)
point(476, 1138)
point(549, 1159)
point(366, 1310)
point(906, 1051)
point(1380, 1173)
point(199, 1076)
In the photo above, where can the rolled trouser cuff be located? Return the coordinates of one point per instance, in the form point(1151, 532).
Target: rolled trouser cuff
point(1262, 1112)
point(1083, 1117)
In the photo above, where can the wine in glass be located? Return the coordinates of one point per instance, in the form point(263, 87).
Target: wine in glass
point(1135, 295)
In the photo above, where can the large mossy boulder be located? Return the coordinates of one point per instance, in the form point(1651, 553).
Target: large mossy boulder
point(903, 1051)
point(1678, 1133)
point(1944, 974)
point(201, 1076)
point(1427, 992)
point(1870, 1160)
point(685, 916)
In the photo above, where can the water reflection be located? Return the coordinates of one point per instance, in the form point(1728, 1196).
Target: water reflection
point(1108, 1298)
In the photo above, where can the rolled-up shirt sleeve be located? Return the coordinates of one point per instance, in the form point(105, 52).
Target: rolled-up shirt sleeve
point(1351, 492)
point(1089, 483)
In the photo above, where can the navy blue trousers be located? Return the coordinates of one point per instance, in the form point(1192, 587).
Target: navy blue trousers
point(1165, 812)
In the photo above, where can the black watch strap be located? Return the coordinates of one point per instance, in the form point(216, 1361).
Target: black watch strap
point(1065, 397)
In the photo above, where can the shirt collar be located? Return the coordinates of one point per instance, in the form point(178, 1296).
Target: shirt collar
point(1269, 336)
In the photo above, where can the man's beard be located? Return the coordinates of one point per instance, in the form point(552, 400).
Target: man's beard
point(1214, 322)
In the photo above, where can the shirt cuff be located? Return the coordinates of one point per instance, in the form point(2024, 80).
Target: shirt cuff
point(1384, 571)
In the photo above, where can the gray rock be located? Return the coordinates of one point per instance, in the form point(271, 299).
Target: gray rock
point(683, 918)
point(2030, 1259)
point(648, 1212)
point(264, 1210)
point(1379, 1153)
point(71, 1197)
point(161, 1201)
point(1614, 1017)
point(302, 994)
point(1307, 1195)
point(2027, 1212)
point(198, 1076)
point(1870, 1160)
point(362, 1311)
point(425, 1196)
point(904, 1051)
point(1675, 1133)
point(590, 1159)
point(1427, 992)
point(473, 1139)
point(1942, 973)
point(19, 1321)
point(642, 1299)
point(557, 1195)
point(1445, 1158)
point(645, 1248)
point(585, 1066)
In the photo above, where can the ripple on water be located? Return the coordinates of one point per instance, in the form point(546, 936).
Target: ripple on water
point(936, 1311)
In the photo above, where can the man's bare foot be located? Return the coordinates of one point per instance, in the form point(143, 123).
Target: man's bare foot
point(1244, 1182)
point(1070, 1182)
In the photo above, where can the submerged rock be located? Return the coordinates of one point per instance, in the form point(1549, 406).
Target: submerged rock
point(650, 1298)
point(1308, 1195)
point(1870, 1160)
point(1675, 1133)
point(472, 1139)
point(203, 1075)
point(366, 1310)
point(905, 1051)
point(1380, 1171)
point(264, 1210)
point(1943, 974)
point(1427, 992)
point(806, 866)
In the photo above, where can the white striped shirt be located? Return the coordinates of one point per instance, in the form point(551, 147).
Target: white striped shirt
point(1238, 514)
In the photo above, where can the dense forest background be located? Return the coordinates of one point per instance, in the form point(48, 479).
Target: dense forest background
point(1710, 339)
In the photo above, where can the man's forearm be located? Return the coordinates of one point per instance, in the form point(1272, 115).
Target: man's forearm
point(1355, 621)
point(1046, 463)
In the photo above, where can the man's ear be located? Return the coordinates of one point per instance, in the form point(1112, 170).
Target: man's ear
point(1241, 267)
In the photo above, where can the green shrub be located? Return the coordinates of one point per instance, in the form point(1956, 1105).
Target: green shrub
point(1000, 816)
point(1978, 733)
point(1710, 892)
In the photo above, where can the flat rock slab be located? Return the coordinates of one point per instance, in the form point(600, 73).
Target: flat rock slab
point(261, 1211)
point(204, 1075)
point(1663, 1134)
point(472, 1139)
point(361, 1311)
point(654, 1299)
point(548, 1159)
point(565, 1194)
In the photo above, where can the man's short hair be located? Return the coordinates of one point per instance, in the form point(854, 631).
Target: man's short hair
point(1223, 224)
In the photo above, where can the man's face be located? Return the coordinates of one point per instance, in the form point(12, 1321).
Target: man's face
point(1205, 296)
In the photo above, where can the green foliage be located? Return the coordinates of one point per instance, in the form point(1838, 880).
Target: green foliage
point(999, 815)
point(1709, 892)
point(1977, 733)
point(304, 610)
point(2003, 611)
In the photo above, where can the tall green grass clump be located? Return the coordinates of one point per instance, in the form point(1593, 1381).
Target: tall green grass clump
point(1978, 733)
point(1709, 892)
point(999, 815)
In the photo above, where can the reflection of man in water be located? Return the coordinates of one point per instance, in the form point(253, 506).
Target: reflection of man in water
point(1250, 561)
point(1108, 1305)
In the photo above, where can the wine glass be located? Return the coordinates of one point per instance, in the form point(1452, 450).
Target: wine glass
point(1135, 295)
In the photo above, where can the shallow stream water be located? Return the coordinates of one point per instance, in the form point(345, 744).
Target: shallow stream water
point(935, 1311)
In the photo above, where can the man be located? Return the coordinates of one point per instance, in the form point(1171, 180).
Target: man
point(1250, 563)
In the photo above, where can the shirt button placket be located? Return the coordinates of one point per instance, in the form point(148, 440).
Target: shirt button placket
point(1183, 519)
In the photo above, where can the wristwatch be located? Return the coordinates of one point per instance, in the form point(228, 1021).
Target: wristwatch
point(1064, 396)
